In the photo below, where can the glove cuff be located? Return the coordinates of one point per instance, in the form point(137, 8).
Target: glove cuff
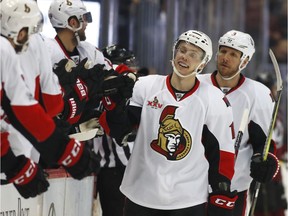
point(223, 201)
point(26, 173)
point(72, 153)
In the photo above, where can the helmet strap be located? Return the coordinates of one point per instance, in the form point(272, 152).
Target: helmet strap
point(24, 46)
point(75, 30)
point(185, 76)
point(239, 70)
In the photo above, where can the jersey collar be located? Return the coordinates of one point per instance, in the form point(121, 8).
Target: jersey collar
point(215, 83)
point(187, 94)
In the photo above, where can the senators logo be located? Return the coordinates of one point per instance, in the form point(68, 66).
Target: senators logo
point(174, 142)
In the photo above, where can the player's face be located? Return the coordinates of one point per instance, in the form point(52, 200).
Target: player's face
point(228, 60)
point(22, 40)
point(187, 57)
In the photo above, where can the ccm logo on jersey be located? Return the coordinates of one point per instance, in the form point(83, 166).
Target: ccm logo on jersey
point(223, 201)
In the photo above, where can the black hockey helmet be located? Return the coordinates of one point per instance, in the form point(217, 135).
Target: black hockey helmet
point(117, 55)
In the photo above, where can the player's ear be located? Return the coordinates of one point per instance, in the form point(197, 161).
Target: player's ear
point(22, 35)
point(245, 62)
point(73, 22)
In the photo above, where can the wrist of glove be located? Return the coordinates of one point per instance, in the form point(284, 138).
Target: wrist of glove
point(119, 86)
point(75, 102)
point(92, 76)
point(264, 171)
point(28, 178)
point(79, 160)
point(117, 90)
point(62, 125)
point(221, 203)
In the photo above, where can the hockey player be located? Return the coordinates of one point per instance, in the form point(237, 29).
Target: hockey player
point(26, 115)
point(69, 19)
point(114, 157)
point(184, 140)
point(43, 84)
point(235, 50)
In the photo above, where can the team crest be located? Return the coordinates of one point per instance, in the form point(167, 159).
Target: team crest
point(174, 142)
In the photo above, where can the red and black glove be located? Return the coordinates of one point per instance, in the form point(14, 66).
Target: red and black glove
point(93, 77)
point(117, 90)
point(27, 177)
point(79, 160)
point(75, 102)
point(264, 171)
point(221, 203)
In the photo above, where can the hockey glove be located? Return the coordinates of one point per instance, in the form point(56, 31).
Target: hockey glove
point(264, 171)
point(93, 77)
point(27, 177)
point(221, 203)
point(63, 70)
point(79, 160)
point(119, 89)
point(75, 102)
point(62, 125)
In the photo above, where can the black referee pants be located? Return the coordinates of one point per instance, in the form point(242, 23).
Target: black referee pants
point(132, 209)
point(108, 183)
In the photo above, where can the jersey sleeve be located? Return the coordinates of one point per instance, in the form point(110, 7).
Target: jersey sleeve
point(260, 118)
point(51, 93)
point(218, 139)
point(17, 101)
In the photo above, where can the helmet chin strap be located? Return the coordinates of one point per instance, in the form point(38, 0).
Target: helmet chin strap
point(77, 37)
point(75, 30)
point(239, 70)
point(185, 76)
point(23, 45)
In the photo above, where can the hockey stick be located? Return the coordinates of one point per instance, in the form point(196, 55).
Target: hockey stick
point(242, 127)
point(270, 131)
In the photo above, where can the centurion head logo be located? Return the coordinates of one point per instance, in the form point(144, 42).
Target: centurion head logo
point(174, 142)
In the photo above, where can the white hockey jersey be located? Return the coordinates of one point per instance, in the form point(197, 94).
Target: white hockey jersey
point(16, 97)
point(38, 75)
point(85, 49)
point(168, 167)
point(257, 98)
point(43, 83)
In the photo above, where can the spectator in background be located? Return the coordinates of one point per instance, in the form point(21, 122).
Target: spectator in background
point(271, 199)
